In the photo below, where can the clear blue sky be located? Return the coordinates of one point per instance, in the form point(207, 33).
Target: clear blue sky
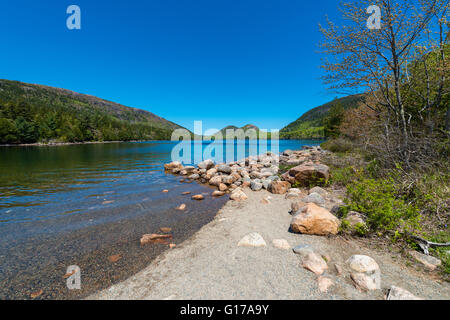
point(220, 61)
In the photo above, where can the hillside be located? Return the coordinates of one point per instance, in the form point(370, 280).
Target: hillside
point(32, 113)
point(246, 127)
point(310, 124)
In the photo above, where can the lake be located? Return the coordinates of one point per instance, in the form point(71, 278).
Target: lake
point(80, 204)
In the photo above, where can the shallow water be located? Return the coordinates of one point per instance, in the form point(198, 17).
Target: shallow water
point(80, 204)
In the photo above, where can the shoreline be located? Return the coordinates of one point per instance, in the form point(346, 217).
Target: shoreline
point(251, 251)
point(211, 266)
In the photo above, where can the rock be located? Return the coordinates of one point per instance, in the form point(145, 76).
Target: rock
point(183, 172)
point(297, 206)
point(363, 282)
point(206, 164)
point(367, 275)
point(252, 240)
point(265, 183)
point(181, 207)
point(306, 174)
point(339, 269)
point(293, 193)
point(281, 244)
point(222, 187)
point(314, 198)
point(429, 262)
point(245, 184)
point(397, 293)
point(361, 263)
point(324, 283)
point(172, 245)
point(224, 168)
point(186, 192)
point(256, 186)
point(114, 258)
point(229, 179)
point(294, 162)
point(279, 187)
point(300, 248)
point(319, 190)
point(215, 181)
point(176, 170)
point(312, 219)
point(256, 175)
point(286, 177)
point(288, 152)
point(165, 191)
point(218, 193)
point(155, 238)
point(189, 168)
point(165, 229)
point(355, 218)
point(194, 176)
point(198, 197)
point(238, 195)
point(311, 261)
point(173, 165)
point(36, 294)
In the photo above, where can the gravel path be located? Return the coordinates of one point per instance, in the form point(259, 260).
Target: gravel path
point(210, 265)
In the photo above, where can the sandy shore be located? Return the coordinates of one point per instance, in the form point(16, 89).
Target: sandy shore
point(210, 265)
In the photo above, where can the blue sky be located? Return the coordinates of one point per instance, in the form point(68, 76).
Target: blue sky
point(220, 61)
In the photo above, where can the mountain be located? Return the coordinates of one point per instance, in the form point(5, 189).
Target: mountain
point(310, 124)
point(36, 113)
point(246, 127)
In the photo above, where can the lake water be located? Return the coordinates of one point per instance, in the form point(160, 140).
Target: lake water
point(80, 204)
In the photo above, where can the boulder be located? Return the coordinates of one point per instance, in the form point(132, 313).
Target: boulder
point(253, 239)
point(281, 244)
point(279, 187)
point(314, 198)
point(312, 219)
point(429, 262)
point(319, 190)
point(397, 293)
point(194, 176)
point(306, 174)
point(311, 260)
point(238, 195)
point(173, 165)
point(198, 197)
point(206, 164)
point(363, 282)
point(324, 283)
point(215, 181)
point(296, 206)
point(224, 168)
point(256, 186)
point(229, 179)
point(223, 187)
point(218, 193)
point(367, 272)
point(293, 193)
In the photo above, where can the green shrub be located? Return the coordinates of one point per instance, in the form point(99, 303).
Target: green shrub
point(339, 145)
point(380, 202)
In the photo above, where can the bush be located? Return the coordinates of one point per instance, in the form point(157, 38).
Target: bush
point(339, 145)
point(384, 208)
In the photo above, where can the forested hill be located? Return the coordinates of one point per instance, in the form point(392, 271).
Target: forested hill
point(311, 124)
point(32, 113)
